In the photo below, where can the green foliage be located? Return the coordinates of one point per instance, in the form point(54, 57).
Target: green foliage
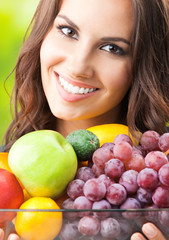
point(15, 17)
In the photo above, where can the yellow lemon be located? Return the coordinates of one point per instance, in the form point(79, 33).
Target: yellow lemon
point(107, 132)
point(40, 224)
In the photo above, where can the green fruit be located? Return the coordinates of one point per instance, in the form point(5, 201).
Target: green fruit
point(84, 143)
point(44, 162)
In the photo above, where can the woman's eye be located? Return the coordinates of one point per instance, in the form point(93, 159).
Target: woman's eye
point(112, 48)
point(68, 32)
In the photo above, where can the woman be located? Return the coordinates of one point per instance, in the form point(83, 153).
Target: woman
point(93, 62)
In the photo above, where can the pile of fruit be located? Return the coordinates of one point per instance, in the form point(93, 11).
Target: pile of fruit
point(119, 176)
point(114, 174)
point(35, 173)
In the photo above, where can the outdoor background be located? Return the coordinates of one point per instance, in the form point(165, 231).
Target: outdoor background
point(15, 17)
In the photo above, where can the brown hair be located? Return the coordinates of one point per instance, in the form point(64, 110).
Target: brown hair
point(146, 104)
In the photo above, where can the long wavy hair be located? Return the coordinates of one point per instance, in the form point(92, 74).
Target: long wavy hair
point(146, 105)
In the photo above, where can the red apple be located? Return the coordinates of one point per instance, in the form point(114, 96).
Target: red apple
point(11, 196)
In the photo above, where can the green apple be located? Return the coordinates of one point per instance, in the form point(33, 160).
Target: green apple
point(44, 161)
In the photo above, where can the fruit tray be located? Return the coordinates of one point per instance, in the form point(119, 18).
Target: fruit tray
point(116, 224)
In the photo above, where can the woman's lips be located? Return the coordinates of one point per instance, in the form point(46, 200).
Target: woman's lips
point(71, 91)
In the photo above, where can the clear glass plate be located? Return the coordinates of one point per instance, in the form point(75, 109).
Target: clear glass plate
point(124, 223)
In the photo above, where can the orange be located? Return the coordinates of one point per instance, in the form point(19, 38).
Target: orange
point(4, 161)
point(44, 223)
point(107, 132)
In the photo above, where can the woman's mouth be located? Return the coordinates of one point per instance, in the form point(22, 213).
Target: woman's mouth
point(74, 89)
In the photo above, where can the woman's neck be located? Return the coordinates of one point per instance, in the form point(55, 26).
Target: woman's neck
point(65, 126)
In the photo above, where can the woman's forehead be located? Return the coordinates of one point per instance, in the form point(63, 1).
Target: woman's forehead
point(107, 15)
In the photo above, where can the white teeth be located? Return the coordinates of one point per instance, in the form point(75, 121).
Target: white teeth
point(86, 90)
point(81, 90)
point(74, 89)
point(91, 89)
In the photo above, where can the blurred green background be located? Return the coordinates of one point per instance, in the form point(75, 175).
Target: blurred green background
point(15, 17)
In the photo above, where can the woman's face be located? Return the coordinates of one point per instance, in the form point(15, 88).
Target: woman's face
point(85, 58)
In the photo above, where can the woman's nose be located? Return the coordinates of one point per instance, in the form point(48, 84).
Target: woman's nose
point(80, 63)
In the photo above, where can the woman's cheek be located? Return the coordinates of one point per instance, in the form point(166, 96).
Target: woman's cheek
point(119, 76)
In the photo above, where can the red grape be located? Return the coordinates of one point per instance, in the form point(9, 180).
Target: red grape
point(75, 188)
point(108, 145)
point(148, 178)
point(97, 170)
point(94, 190)
point(82, 203)
point(85, 173)
point(69, 231)
point(144, 195)
point(106, 180)
point(69, 204)
point(114, 168)
point(110, 228)
point(123, 138)
point(131, 203)
point(164, 174)
point(116, 194)
point(89, 226)
point(149, 140)
point(151, 216)
point(161, 197)
point(101, 156)
point(164, 142)
point(155, 160)
point(136, 162)
point(122, 151)
point(129, 181)
point(102, 204)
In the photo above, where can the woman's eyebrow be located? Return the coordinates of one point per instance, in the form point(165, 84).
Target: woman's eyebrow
point(68, 21)
point(109, 39)
point(116, 39)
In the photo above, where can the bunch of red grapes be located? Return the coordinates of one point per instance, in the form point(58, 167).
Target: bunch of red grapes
point(120, 176)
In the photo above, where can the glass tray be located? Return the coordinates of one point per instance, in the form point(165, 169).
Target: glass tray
point(125, 222)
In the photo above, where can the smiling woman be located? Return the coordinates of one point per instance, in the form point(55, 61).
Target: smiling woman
point(81, 51)
point(92, 62)
point(93, 67)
